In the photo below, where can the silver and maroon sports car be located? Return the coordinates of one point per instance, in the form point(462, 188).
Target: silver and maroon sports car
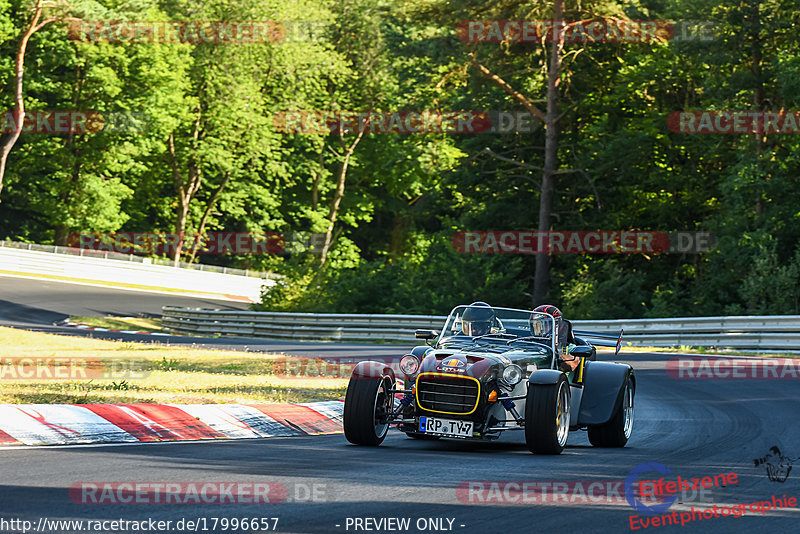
point(491, 370)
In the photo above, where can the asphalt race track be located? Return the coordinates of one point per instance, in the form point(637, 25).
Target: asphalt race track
point(696, 428)
point(26, 300)
point(37, 304)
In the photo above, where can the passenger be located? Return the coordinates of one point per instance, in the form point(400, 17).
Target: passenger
point(542, 327)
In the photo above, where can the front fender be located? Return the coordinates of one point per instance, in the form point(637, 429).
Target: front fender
point(420, 351)
point(602, 391)
point(544, 376)
point(372, 369)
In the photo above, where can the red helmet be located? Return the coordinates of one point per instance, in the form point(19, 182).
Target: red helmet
point(542, 326)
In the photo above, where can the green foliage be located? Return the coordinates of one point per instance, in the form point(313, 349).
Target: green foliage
point(429, 281)
point(771, 287)
point(122, 385)
point(167, 365)
point(406, 195)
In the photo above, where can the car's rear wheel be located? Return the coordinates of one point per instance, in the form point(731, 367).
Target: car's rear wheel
point(547, 417)
point(617, 431)
point(367, 406)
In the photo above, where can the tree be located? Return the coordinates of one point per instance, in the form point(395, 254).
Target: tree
point(34, 26)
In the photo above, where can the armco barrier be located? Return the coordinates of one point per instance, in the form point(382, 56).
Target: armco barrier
point(133, 258)
point(299, 326)
point(76, 268)
point(781, 332)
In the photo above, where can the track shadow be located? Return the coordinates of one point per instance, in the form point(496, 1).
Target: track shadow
point(21, 313)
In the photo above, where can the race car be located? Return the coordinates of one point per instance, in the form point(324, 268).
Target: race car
point(492, 370)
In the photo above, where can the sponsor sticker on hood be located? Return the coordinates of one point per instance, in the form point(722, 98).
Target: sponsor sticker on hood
point(453, 364)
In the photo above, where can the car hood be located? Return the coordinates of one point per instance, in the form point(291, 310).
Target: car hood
point(469, 362)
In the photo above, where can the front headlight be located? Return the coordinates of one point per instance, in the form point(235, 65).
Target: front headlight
point(409, 364)
point(512, 374)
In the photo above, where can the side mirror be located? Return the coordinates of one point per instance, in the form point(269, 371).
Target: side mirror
point(426, 334)
point(581, 351)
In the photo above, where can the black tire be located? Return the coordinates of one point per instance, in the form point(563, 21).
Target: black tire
point(422, 437)
point(547, 423)
point(366, 404)
point(618, 430)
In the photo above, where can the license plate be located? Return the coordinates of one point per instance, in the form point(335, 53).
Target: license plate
point(445, 427)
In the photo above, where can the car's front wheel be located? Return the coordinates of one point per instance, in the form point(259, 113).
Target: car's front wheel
point(367, 406)
point(547, 416)
point(616, 432)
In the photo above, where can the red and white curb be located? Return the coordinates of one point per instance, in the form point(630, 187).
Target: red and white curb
point(81, 326)
point(72, 424)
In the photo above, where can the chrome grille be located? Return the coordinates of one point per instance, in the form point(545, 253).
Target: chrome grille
point(447, 393)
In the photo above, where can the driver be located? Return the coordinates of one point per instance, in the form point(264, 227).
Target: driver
point(477, 319)
point(542, 327)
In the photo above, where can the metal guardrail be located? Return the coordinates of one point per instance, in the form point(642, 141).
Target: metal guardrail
point(766, 332)
point(780, 332)
point(85, 253)
point(88, 269)
point(298, 326)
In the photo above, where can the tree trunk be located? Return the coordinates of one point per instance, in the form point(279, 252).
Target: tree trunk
point(211, 203)
point(180, 229)
point(185, 191)
point(333, 213)
point(400, 224)
point(19, 108)
point(19, 105)
point(61, 236)
point(541, 281)
point(756, 60)
point(316, 180)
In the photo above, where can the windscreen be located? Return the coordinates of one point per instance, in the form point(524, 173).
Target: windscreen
point(477, 321)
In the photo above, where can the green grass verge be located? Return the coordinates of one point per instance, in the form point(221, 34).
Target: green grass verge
point(151, 372)
point(143, 324)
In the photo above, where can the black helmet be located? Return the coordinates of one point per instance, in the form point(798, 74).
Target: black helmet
point(477, 319)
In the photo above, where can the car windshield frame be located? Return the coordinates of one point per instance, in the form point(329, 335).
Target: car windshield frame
point(506, 318)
